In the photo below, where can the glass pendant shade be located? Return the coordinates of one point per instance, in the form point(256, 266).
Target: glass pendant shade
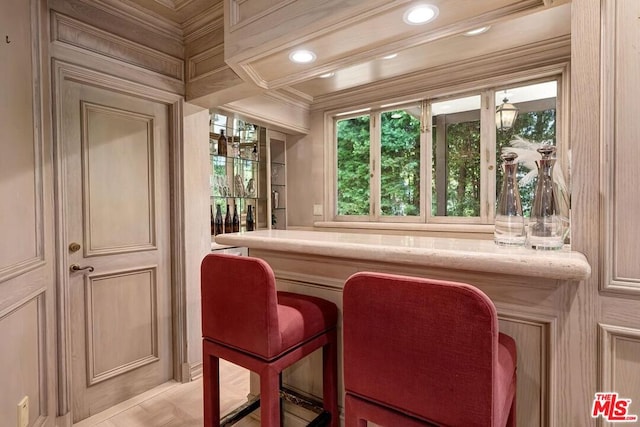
point(506, 115)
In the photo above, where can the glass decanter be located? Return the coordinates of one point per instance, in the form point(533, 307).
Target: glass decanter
point(546, 227)
point(509, 224)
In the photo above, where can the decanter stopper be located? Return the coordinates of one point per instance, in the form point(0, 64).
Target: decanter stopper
point(509, 224)
point(546, 228)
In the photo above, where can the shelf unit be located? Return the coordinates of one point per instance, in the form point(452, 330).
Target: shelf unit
point(237, 178)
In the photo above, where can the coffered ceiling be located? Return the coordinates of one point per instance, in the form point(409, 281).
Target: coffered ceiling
point(354, 55)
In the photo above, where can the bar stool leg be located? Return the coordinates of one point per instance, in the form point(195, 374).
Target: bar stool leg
point(329, 377)
point(270, 398)
point(211, 388)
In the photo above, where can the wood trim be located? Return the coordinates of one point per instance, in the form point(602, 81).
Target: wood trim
point(245, 108)
point(127, 12)
point(38, 258)
point(548, 326)
point(460, 76)
point(608, 335)
point(195, 60)
point(76, 34)
point(203, 23)
point(178, 251)
point(610, 281)
point(195, 370)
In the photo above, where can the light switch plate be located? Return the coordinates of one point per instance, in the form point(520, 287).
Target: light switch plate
point(317, 210)
point(23, 412)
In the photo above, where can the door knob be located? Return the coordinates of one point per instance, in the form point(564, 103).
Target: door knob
point(76, 267)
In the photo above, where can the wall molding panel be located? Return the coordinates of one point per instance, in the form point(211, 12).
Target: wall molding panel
point(71, 32)
point(23, 329)
point(618, 366)
point(619, 143)
point(21, 170)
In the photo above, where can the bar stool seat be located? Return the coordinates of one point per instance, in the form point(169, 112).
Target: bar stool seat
point(246, 322)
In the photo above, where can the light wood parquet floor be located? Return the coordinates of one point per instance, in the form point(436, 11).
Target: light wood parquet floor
point(177, 405)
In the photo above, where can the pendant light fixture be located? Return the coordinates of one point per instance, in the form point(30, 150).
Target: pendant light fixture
point(506, 114)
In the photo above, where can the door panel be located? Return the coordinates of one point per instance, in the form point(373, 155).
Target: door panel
point(114, 302)
point(117, 150)
point(117, 208)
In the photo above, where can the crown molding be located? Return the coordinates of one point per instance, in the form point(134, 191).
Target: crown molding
point(145, 18)
point(521, 59)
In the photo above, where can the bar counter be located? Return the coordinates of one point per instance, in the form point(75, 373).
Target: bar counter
point(461, 254)
point(534, 293)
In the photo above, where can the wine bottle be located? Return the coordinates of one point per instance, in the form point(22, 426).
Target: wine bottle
point(222, 144)
point(250, 221)
point(227, 221)
point(235, 220)
point(218, 221)
point(213, 223)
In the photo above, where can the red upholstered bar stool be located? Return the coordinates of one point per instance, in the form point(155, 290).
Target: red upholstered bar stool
point(424, 352)
point(248, 323)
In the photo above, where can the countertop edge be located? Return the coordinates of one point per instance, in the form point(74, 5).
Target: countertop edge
point(571, 266)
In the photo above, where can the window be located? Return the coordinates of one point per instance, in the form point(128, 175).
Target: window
point(378, 164)
point(438, 160)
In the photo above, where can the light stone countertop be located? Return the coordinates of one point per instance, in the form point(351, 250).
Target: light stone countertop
point(459, 254)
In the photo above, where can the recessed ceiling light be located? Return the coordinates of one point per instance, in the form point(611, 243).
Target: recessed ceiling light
point(302, 56)
point(420, 14)
point(477, 31)
point(327, 75)
point(393, 55)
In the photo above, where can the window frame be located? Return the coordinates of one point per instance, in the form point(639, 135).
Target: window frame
point(488, 166)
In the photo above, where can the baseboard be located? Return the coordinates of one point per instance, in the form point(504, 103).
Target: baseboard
point(195, 371)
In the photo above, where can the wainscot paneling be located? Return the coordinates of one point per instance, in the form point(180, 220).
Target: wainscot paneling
point(121, 19)
point(620, 136)
point(619, 364)
point(22, 361)
point(72, 32)
point(21, 173)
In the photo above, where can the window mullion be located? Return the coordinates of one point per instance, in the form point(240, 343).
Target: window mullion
point(426, 165)
point(374, 166)
point(487, 157)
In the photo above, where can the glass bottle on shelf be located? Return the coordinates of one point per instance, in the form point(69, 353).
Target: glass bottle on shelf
point(218, 221)
point(250, 220)
point(227, 221)
point(254, 153)
point(509, 223)
point(222, 144)
point(546, 227)
point(235, 220)
point(213, 223)
point(235, 147)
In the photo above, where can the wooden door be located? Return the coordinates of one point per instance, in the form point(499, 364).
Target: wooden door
point(116, 214)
